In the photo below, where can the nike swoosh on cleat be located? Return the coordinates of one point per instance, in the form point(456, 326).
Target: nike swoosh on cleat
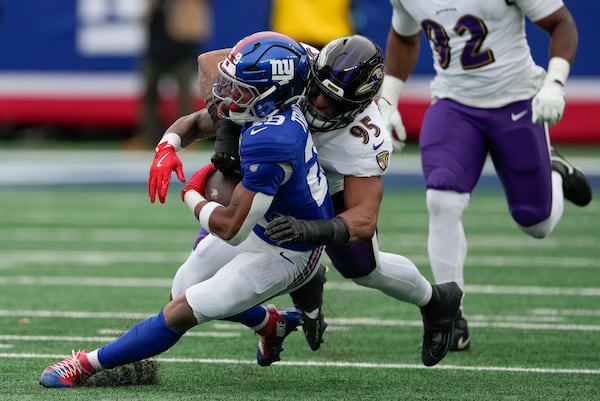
point(375, 147)
point(570, 168)
point(518, 116)
point(159, 164)
point(462, 343)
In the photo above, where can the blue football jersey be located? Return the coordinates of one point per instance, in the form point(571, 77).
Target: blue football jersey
point(284, 138)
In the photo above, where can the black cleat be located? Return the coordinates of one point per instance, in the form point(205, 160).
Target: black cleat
point(309, 299)
point(439, 318)
point(314, 328)
point(461, 341)
point(576, 187)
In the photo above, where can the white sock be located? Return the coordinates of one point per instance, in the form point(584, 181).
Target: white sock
point(447, 243)
point(94, 361)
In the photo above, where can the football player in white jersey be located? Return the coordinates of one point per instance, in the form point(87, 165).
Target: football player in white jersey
point(353, 148)
point(488, 98)
point(236, 266)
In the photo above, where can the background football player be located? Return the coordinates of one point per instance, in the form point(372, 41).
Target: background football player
point(488, 97)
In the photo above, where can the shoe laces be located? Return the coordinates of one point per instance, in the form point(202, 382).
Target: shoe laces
point(70, 367)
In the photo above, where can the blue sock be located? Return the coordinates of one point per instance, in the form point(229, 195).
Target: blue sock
point(251, 317)
point(145, 339)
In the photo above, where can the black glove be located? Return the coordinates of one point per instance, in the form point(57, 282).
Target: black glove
point(227, 143)
point(288, 229)
point(228, 164)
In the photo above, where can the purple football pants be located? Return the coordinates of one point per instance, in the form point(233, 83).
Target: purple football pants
point(455, 141)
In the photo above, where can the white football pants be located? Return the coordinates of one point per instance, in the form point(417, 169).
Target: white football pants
point(221, 280)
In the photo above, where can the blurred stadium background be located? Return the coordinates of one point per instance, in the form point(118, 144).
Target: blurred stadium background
point(73, 73)
point(77, 225)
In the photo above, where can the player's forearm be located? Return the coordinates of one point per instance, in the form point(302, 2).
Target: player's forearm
point(362, 198)
point(288, 229)
point(232, 223)
point(192, 127)
point(564, 41)
point(208, 72)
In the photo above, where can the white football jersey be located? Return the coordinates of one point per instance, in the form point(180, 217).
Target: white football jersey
point(480, 51)
point(361, 149)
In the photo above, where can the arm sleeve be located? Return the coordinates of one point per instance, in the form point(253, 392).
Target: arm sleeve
point(402, 22)
point(260, 205)
point(535, 10)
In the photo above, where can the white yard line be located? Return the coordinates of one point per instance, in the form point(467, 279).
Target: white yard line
point(17, 260)
point(350, 365)
point(482, 321)
point(134, 282)
point(105, 339)
point(410, 241)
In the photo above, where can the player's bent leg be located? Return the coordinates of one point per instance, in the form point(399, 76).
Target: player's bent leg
point(251, 278)
point(207, 257)
point(546, 223)
point(309, 299)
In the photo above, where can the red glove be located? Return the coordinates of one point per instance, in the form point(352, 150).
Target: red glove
point(164, 163)
point(198, 180)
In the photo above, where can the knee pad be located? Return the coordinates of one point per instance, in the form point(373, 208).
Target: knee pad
point(538, 223)
point(446, 179)
point(539, 230)
point(439, 202)
point(529, 217)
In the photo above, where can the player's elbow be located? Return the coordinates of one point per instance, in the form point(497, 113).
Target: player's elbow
point(237, 237)
point(235, 233)
point(365, 229)
point(370, 228)
point(227, 233)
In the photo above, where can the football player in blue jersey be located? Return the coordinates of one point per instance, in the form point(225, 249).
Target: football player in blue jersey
point(237, 266)
point(354, 149)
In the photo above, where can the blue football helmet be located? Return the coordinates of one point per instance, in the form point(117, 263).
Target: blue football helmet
point(263, 73)
point(349, 72)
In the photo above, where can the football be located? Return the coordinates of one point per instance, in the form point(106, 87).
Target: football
point(219, 187)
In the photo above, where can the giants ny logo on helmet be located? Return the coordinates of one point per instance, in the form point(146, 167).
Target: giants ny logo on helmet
point(282, 70)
